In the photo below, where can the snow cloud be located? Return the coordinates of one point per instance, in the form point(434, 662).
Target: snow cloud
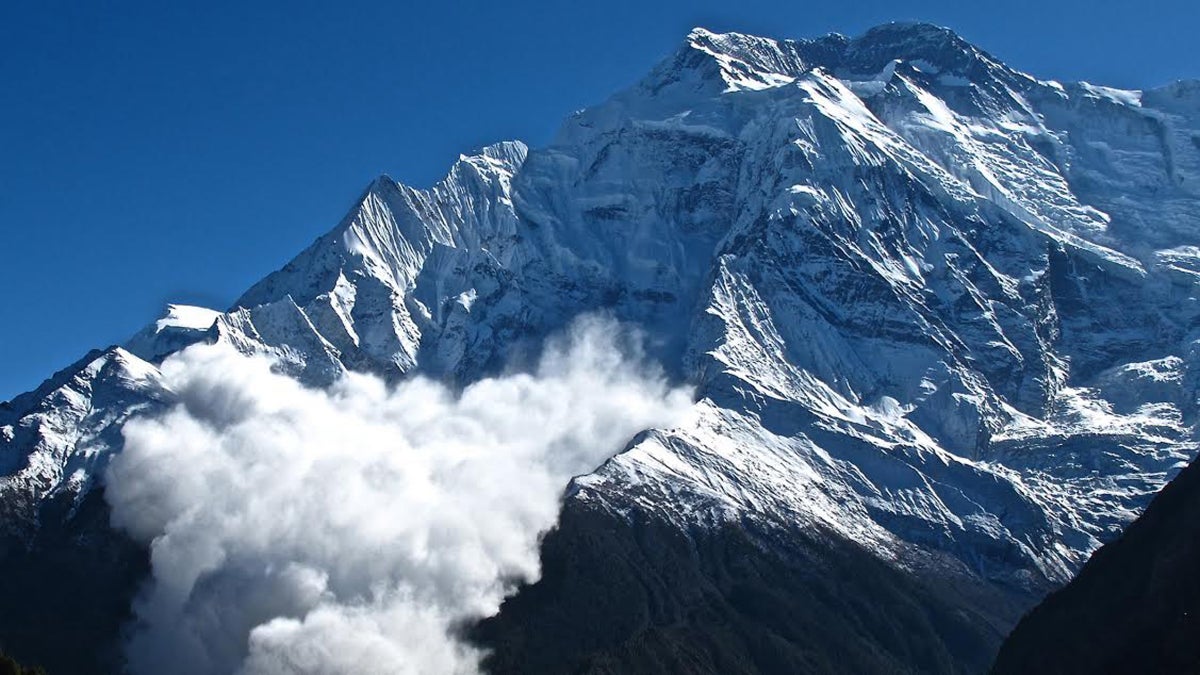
point(355, 529)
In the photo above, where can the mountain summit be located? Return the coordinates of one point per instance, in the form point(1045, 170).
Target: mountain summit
point(941, 316)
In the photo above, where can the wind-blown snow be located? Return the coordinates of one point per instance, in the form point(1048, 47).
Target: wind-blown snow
point(351, 530)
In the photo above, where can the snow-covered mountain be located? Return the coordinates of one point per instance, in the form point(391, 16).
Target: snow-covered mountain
point(942, 317)
point(1134, 606)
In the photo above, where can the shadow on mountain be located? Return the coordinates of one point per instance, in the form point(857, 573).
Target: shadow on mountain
point(640, 596)
point(67, 594)
point(1135, 606)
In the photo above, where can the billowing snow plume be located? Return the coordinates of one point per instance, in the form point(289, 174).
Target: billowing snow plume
point(353, 530)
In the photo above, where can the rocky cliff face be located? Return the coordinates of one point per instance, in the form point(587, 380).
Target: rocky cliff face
point(942, 317)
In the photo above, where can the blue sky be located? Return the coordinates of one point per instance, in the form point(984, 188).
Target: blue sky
point(156, 152)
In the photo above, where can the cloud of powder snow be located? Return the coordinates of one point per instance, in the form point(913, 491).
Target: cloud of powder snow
point(352, 530)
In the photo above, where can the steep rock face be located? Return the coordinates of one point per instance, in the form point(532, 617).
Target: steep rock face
point(942, 317)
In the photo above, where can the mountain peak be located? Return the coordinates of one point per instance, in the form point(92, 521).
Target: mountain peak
point(915, 31)
point(498, 159)
point(381, 182)
point(936, 46)
point(742, 61)
point(177, 327)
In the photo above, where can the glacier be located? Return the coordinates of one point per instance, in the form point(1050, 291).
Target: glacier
point(937, 310)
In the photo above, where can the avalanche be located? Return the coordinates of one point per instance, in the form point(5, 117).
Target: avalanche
point(933, 307)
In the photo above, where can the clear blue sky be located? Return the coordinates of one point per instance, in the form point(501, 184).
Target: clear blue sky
point(169, 151)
